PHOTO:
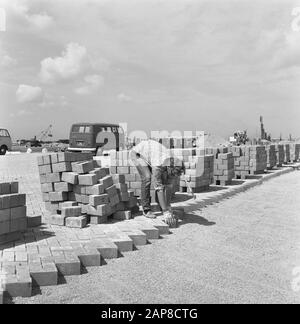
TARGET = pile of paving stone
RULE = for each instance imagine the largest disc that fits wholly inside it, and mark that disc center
(287, 153)
(223, 165)
(199, 172)
(280, 155)
(271, 156)
(13, 219)
(249, 160)
(76, 191)
(295, 151)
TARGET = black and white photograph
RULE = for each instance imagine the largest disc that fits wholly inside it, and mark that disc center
(149, 155)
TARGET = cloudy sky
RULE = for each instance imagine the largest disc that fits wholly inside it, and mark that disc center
(156, 64)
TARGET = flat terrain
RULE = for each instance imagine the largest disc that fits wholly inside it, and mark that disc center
(242, 250)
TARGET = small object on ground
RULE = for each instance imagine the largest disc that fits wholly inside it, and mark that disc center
(191, 192)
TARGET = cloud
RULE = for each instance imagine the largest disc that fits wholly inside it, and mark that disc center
(123, 98)
(5, 59)
(39, 20)
(67, 66)
(93, 83)
(26, 93)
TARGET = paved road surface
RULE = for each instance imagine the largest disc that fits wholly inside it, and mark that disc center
(242, 250)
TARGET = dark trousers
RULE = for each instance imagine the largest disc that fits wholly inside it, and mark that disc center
(145, 173)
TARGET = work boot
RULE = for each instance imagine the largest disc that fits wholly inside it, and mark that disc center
(149, 214)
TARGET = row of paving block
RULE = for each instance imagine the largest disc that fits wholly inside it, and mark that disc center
(38, 259)
(212, 165)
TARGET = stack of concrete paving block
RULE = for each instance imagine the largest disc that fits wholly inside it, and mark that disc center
(293, 152)
(297, 152)
(223, 165)
(280, 155)
(52, 168)
(249, 160)
(13, 218)
(83, 192)
(287, 153)
(199, 173)
(271, 156)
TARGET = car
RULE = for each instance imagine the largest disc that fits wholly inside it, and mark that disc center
(96, 138)
(5, 141)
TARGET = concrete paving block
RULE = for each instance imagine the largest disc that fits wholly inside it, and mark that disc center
(18, 286)
(58, 220)
(162, 227)
(67, 264)
(138, 237)
(123, 242)
(106, 247)
(151, 231)
(44, 274)
(76, 222)
(72, 211)
(89, 257)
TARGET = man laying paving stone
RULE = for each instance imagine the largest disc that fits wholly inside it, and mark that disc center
(153, 161)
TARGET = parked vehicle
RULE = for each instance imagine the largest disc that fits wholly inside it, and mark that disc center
(96, 138)
(5, 141)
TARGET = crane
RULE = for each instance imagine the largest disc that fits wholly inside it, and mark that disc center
(44, 135)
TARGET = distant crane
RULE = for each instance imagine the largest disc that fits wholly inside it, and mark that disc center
(42, 137)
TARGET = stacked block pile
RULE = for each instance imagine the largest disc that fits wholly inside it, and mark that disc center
(223, 165)
(271, 156)
(297, 151)
(279, 154)
(287, 153)
(294, 151)
(249, 160)
(13, 218)
(77, 191)
(199, 173)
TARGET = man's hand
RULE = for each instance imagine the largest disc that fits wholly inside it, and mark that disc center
(170, 219)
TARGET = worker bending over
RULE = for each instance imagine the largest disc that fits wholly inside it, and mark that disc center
(154, 163)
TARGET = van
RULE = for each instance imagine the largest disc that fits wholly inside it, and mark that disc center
(96, 138)
(5, 141)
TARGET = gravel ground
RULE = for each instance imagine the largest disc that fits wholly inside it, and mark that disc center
(242, 250)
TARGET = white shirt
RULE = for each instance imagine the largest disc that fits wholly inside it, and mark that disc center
(154, 153)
